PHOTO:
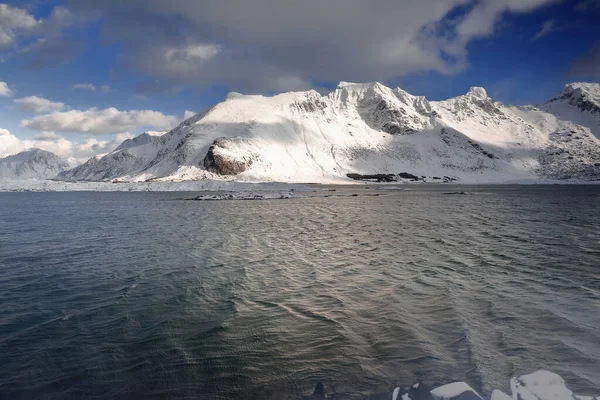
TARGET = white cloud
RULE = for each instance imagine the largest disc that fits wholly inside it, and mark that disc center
(191, 53)
(12, 21)
(85, 86)
(39, 105)
(98, 121)
(188, 114)
(46, 136)
(547, 28)
(91, 87)
(9, 144)
(50, 141)
(4, 89)
(91, 146)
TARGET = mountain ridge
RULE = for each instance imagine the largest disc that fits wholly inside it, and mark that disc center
(367, 128)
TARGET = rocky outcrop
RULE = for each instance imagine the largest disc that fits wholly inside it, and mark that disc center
(220, 160)
(374, 177)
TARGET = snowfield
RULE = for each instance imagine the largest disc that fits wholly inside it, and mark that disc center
(365, 129)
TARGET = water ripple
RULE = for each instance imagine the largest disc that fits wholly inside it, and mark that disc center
(126, 295)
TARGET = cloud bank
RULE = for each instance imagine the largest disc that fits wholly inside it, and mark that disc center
(41, 42)
(38, 105)
(50, 141)
(261, 45)
(100, 121)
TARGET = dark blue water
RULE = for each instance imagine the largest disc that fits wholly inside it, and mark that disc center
(140, 295)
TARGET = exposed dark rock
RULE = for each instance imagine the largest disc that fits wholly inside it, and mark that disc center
(392, 119)
(406, 175)
(311, 104)
(376, 177)
(217, 161)
(478, 147)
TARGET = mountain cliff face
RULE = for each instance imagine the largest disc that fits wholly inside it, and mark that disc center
(32, 164)
(367, 129)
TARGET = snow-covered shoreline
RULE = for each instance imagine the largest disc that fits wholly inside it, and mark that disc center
(33, 185)
(273, 189)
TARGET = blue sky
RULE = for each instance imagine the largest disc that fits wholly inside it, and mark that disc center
(99, 69)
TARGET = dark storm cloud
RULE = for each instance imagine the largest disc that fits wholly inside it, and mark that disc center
(264, 45)
(42, 42)
(49, 52)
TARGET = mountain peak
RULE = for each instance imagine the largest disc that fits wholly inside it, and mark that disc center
(586, 86)
(578, 90)
(582, 95)
(29, 153)
(32, 163)
(354, 85)
(478, 92)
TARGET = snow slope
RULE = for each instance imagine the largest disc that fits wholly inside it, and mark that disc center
(367, 129)
(32, 164)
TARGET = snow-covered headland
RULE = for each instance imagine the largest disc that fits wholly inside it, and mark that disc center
(357, 130)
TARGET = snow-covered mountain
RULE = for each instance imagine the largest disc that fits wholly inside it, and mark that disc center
(367, 129)
(33, 164)
(131, 155)
(578, 103)
(144, 138)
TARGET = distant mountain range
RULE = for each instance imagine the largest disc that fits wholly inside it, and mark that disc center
(366, 129)
(33, 164)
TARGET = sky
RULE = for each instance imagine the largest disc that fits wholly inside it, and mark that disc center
(77, 77)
